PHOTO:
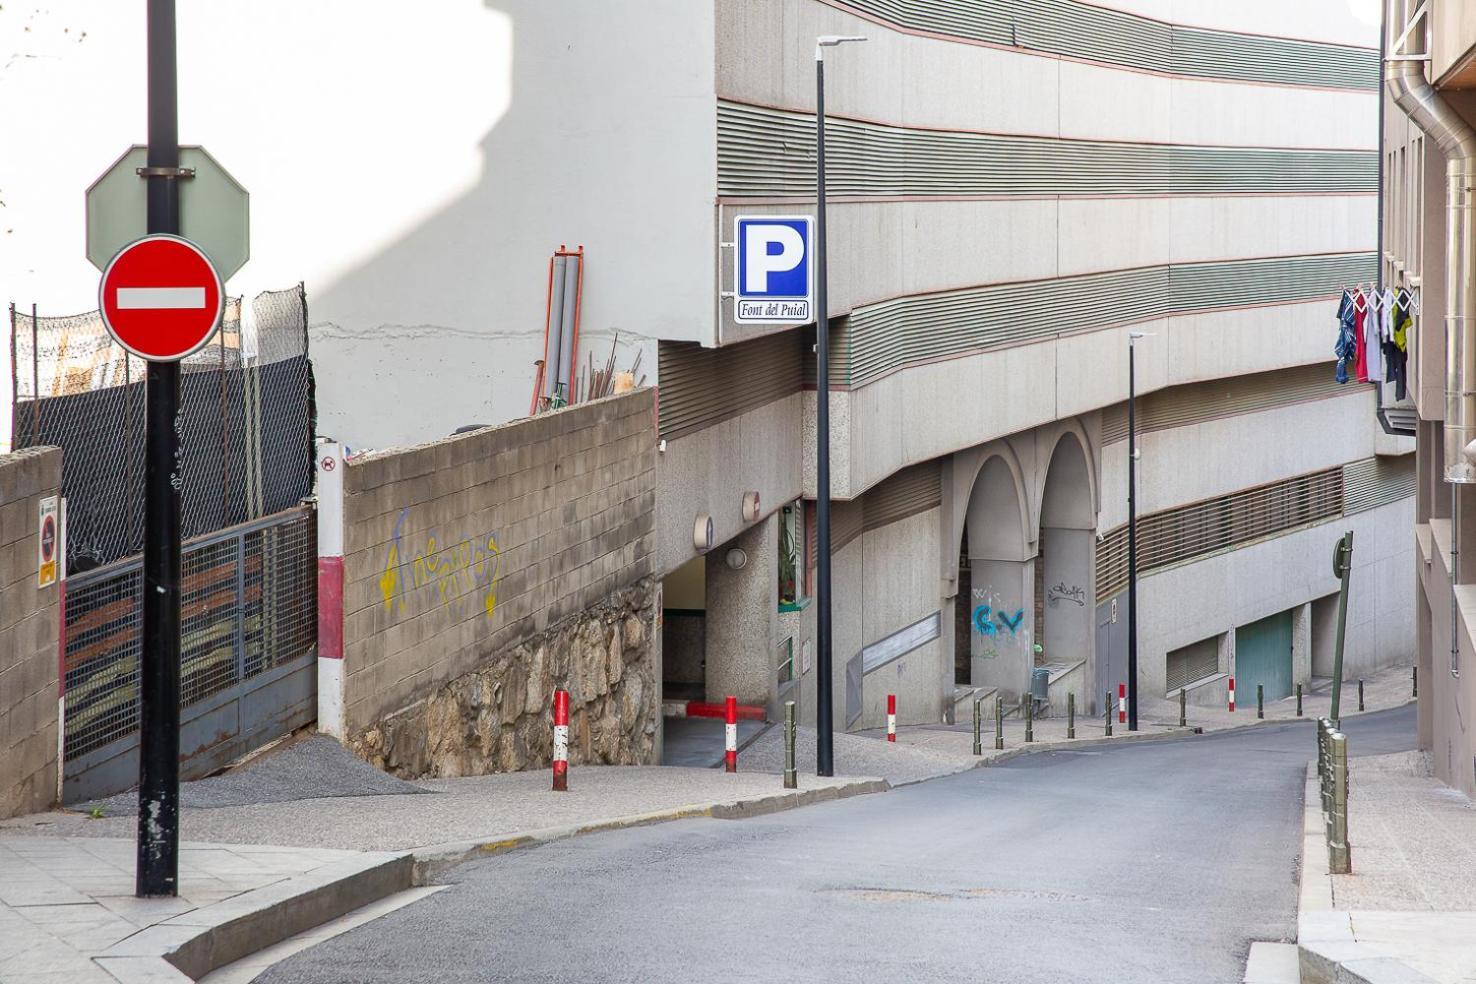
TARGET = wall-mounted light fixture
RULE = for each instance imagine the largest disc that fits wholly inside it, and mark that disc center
(702, 533)
(750, 507)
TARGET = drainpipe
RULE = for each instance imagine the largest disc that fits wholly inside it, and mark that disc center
(1405, 79)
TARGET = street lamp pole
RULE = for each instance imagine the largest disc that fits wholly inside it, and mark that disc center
(1132, 673)
(825, 685)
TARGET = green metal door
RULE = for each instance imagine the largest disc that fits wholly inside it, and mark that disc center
(1263, 655)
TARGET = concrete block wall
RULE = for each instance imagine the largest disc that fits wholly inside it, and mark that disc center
(459, 550)
(28, 637)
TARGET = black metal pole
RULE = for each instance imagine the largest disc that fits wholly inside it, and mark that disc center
(158, 761)
(1132, 680)
(824, 688)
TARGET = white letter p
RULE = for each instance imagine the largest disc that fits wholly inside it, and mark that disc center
(759, 262)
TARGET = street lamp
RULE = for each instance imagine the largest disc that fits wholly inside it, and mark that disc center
(824, 690)
(1132, 673)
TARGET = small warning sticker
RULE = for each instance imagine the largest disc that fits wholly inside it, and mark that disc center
(47, 543)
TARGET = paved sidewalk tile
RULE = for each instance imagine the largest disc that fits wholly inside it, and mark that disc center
(66, 901)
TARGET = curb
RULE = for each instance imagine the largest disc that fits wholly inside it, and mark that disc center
(1328, 952)
(192, 944)
(434, 859)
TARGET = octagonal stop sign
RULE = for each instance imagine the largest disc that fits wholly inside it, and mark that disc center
(161, 298)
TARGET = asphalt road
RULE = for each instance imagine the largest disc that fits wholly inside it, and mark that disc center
(1150, 862)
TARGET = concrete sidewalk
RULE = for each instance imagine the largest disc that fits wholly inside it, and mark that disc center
(1407, 912)
(256, 873)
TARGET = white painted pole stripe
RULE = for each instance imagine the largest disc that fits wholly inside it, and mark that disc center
(160, 298)
(561, 743)
(730, 734)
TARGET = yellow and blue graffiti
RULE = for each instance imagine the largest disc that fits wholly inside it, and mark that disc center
(464, 569)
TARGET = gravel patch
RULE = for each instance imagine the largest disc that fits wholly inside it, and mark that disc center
(315, 768)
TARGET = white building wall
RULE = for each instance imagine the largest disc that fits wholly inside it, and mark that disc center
(414, 164)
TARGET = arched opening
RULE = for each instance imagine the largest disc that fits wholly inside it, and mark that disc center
(1064, 564)
(996, 584)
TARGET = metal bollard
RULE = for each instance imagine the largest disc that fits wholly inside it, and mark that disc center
(1299, 700)
(1071, 715)
(978, 714)
(998, 722)
(1414, 681)
(1260, 701)
(791, 775)
(1183, 710)
(1339, 858)
(730, 734)
(1360, 695)
(561, 742)
(1107, 712)
(1029, 719)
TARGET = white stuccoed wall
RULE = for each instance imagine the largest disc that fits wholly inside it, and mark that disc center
(414, 164)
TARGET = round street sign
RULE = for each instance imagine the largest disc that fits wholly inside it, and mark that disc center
(48, 539)
(161, 298)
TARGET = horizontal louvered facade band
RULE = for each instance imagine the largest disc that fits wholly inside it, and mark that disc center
(1195, 403)
(912, 490)
(704, 386)
(1377, 482)
(1082, 30)
(766, 152)
(879, 338)
(905, 493)
(1174, 536)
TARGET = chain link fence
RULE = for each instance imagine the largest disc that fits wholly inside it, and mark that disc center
(246, 421)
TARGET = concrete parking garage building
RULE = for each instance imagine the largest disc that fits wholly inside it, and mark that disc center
(1015, 188)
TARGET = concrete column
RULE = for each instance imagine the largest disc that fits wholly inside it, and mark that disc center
(1302, 644)
(1067, 625)
(1000, 646)
(742, 615)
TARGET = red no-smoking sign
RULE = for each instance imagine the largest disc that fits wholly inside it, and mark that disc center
(161, 298)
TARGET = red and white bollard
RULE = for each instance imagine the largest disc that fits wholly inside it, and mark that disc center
(730, 758)
(1232, 693)
(561, 741)
(1122, 703)
(891, 717)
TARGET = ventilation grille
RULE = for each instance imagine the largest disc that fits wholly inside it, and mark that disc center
(880, 338)
(1377, 482)
(771, 152)
(703, 386)
(1174, 536)
(1081, 30)
(906, 493)
(1192, 663)
(1194, 403)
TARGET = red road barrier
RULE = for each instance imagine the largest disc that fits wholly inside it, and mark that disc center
(561, 741)
(730, 758)
(702, 708)
(891, 717)
(1122, 703)
(1232, 693)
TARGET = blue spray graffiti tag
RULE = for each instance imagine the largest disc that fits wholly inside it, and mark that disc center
(982, 623)
(1011, 622)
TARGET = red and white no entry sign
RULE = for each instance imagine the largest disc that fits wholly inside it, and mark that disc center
(161, 298)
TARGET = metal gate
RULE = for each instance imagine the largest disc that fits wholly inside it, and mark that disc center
(1263, 655)
(248, 628)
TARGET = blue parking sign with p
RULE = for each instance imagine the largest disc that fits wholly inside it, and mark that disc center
(773, 277)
